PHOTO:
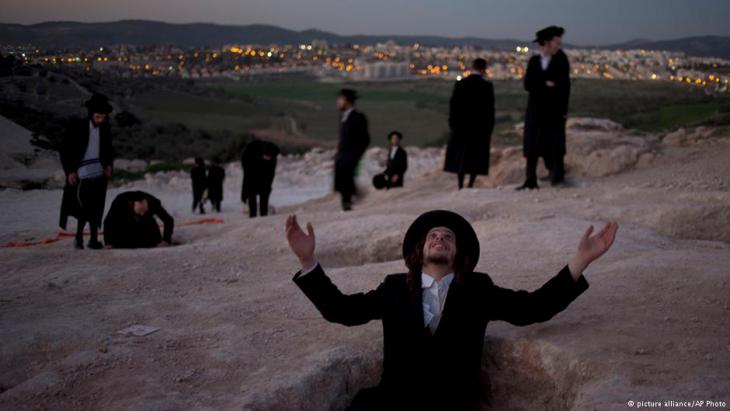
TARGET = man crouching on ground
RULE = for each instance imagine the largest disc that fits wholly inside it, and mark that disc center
(435, 315)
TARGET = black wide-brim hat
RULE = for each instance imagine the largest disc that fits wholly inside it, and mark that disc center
(466, 238)
(98, 103)
(349, 94)
(548, 33)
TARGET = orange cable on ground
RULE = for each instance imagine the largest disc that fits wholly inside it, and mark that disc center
(65, 234)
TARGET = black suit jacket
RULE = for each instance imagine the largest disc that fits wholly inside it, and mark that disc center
(258, 173)
(123, 229)
(412, 356)
(354, 140)
(396, 166)
(547, 107)
(72, 150)
(471, 119)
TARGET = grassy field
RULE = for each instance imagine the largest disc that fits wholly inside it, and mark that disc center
(180, 119)
(420, 108)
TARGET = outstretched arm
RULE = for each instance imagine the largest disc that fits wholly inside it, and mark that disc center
(353, 309)
(522, 308)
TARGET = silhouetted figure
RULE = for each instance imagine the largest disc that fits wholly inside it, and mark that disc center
(216, 175)
(354, 140)
(200, 184)
(131, 222)
(471, 119)
(258, 161)
(87, 157)
(547, 80)
(396, 165)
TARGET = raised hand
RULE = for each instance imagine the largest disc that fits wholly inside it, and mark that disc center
(73, 178)
(592, 247)
(301, 243)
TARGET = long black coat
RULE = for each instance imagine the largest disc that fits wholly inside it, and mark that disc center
(471, 119)
(72, 151)
(216, 175)
(354, 140)
(412, 356)
(258, 173)
(124, 229)
(199, 178)
(547, 107)
(397, 166)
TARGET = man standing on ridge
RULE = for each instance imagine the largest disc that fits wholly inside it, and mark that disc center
(354, 140)
(547, 81)
(471, 120)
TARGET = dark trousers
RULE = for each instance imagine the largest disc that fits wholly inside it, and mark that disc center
(554, 163)
(373, 399)
(91, 196)
(472, 178)
(531, 171)
(198, 200)
(262, 206)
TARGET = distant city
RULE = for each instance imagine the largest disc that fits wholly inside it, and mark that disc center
(385, 61)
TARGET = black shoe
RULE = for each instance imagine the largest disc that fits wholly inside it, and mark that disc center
(556, 183)
(79, 244)
(346, 207)
(528, 186)
(95, 245)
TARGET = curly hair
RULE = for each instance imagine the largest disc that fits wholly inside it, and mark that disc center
(414, 262)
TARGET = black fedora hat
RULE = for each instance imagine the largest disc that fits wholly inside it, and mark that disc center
(397, 133)
(349, 94)
(466, 237)
(98, 103)
(548, 33)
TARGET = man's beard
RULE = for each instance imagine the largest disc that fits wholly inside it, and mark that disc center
(438, 259)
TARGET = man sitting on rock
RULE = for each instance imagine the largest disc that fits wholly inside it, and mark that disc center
(131, 222)
(395, 166)
(435, 315)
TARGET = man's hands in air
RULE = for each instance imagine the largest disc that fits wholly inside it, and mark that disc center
(301, 243)
(590, 248)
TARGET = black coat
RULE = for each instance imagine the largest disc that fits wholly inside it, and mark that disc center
(471, 119)
(412, 356)
(199, 179)
(397, 166)
(354, 140)
(73, 148)
(258, 173)
(547, 107)
(216, 175)
(124, 229)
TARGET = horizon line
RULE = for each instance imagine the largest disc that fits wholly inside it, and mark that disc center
(352, 35)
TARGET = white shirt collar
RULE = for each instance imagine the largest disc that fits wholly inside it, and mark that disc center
(346, 113)
(427, 281)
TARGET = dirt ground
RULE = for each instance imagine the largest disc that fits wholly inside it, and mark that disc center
(236, 333)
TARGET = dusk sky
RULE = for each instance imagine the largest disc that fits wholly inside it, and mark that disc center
(586, 21)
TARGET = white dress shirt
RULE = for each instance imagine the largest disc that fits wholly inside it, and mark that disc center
(393, 150)
(346, 114)
(545, 60)
(90, 166)
(433, 297)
